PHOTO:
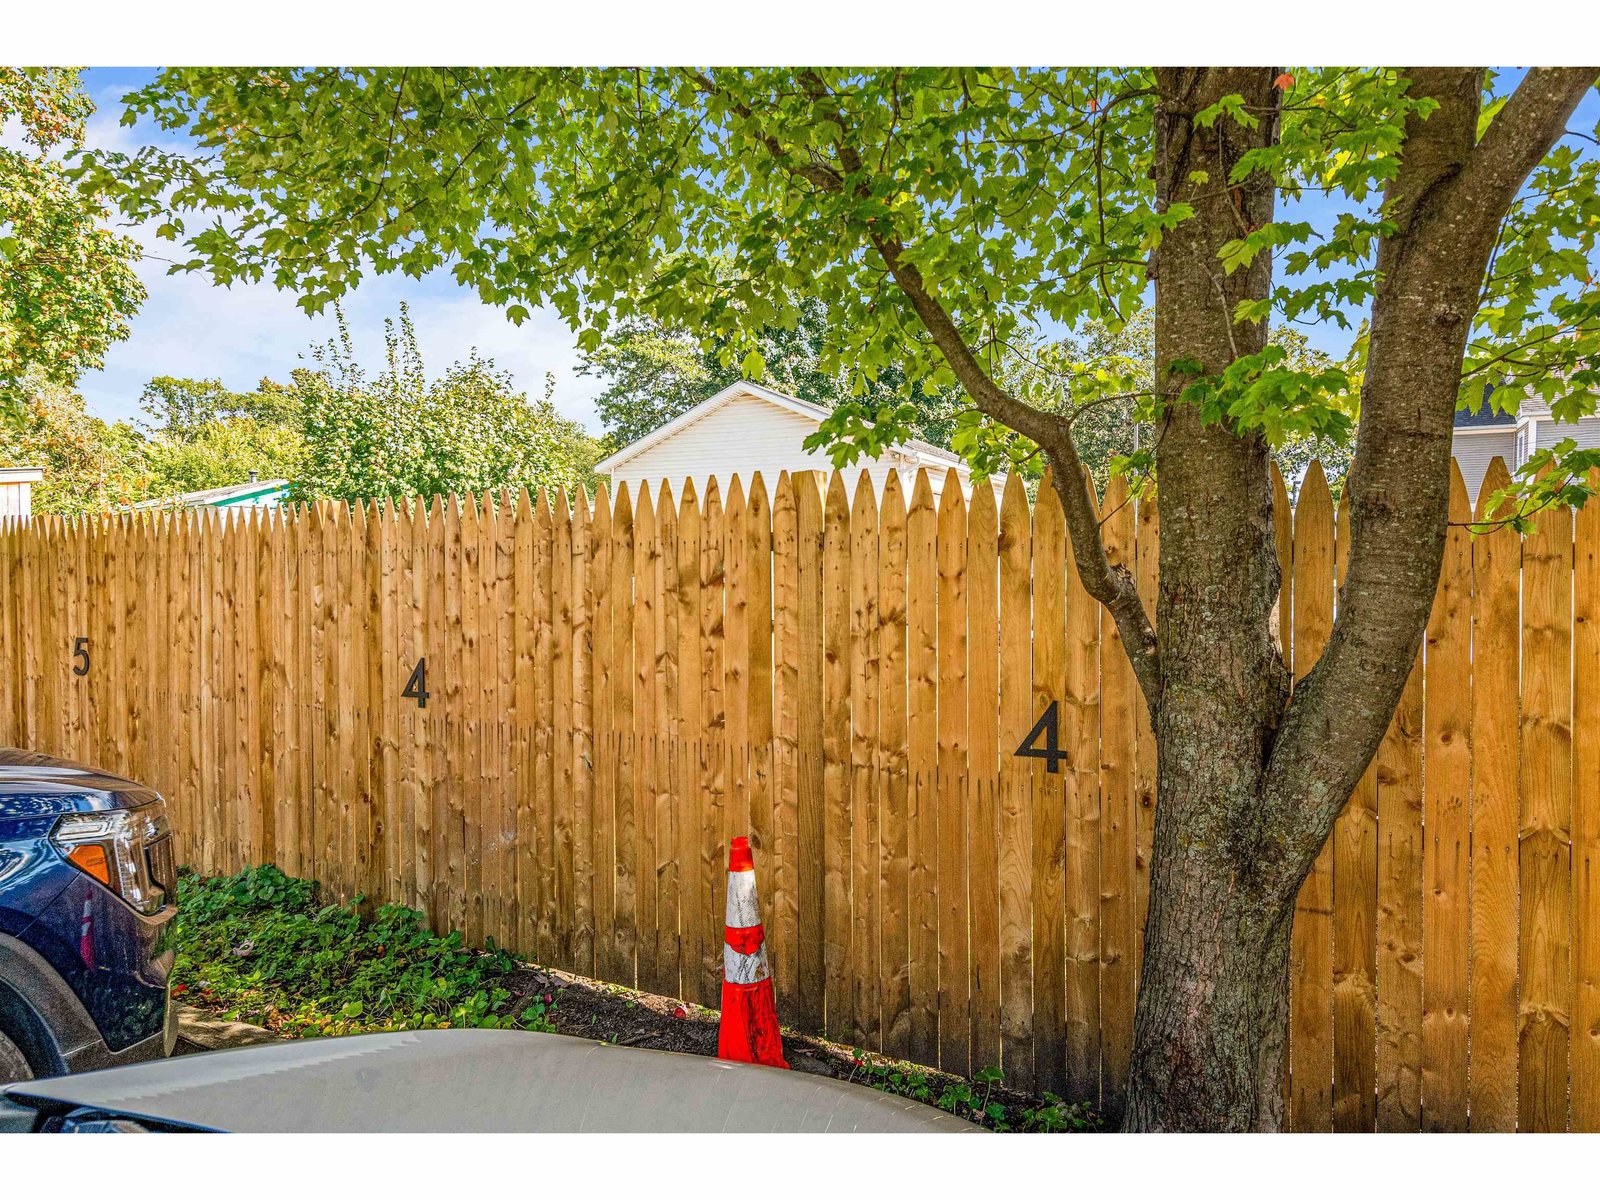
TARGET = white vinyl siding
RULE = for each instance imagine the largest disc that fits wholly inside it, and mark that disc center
(747, 435)
(1475, 447)
(1546, 433)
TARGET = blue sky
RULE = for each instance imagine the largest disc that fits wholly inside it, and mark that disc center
(190, 327)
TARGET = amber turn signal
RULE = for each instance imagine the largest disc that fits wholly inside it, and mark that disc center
(91, 858)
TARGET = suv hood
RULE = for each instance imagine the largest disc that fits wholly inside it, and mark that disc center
(38, 785)
(477, 1081)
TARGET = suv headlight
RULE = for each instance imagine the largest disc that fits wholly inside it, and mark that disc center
(118, 848)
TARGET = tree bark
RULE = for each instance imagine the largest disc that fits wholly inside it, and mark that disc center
(1213, 998)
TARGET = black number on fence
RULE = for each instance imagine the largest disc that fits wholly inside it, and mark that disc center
(80, 652)
(1049, 726)
(417, 685)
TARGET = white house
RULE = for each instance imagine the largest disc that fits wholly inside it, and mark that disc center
(1482, 435)
(747, 428)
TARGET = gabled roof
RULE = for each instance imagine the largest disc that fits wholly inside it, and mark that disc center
(1485, 418)
(742, 390)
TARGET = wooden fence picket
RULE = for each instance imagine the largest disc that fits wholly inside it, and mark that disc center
(1311, 951)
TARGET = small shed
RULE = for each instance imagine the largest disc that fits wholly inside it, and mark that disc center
(747, 428)
(16, 491)
(254, 493)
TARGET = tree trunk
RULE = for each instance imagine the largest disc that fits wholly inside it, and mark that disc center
(1252, 780)
(1213, 1001)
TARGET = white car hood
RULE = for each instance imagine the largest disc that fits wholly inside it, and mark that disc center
(480, 1081)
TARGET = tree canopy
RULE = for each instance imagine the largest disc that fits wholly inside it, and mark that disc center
(1018, 203)
(67, 283)
(654, 373)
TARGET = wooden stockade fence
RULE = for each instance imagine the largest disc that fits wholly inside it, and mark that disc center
(541, 720)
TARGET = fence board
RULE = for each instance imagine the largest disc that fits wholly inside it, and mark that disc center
(1585, 1046)
(1355, 933)
(951, 872)
(922, 740)
(670, 784)
(623, 866)
(1015, 551)
(585, 576)
(528, 560)
(983, 749)
(836, 654)
(602, 665)
(757, 804)
(713, 766)
(1062, 1006)
(1545, 850)
(646, 585)
(1447, 848)
(895, 847)
(557, 945)
(1398, 1070)
(1311, 950)
(785, 853)
(809, 785)
(692, 893)
(865, 900)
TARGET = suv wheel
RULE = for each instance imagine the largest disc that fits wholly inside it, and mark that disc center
(13, 1066)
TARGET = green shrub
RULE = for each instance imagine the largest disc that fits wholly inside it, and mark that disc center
(258, 947)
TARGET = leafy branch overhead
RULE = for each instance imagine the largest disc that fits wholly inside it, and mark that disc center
(724, 201)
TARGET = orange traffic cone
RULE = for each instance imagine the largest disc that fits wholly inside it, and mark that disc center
(748, 1031)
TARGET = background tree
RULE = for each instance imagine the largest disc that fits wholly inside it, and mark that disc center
(945, 217)
(199, 435)
(654, 373)
(220, 454)
(89, 465)
(67, 284)
(399, 434)
(181, 407)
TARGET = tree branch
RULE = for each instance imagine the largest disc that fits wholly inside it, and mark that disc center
(1112, 584)
(1532, 120)
(1446, 202)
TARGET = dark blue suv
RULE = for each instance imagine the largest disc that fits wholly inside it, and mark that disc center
(88, 889)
